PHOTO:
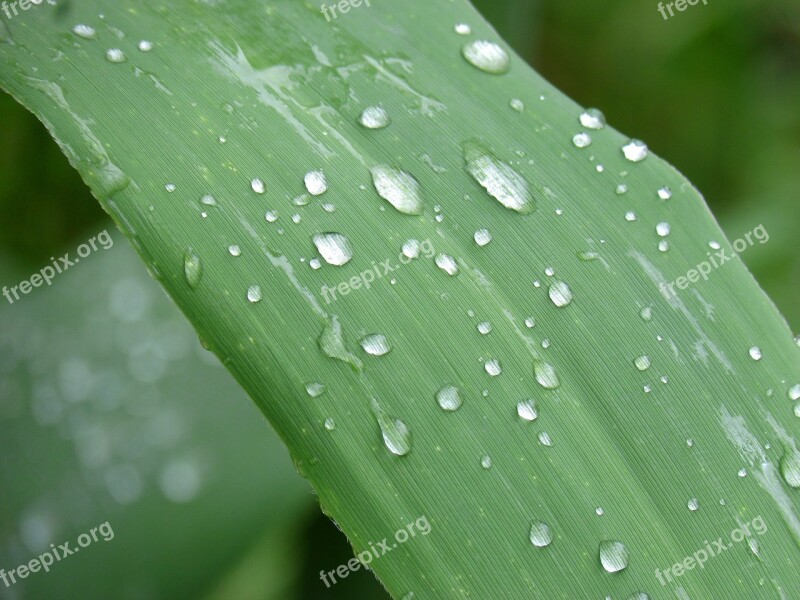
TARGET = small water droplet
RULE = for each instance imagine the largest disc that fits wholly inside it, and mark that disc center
(797, 410)
(271, 216)
(234, 250)
(546, 375)
(642, 362)
(84, 31)
(622, 189)
(545, 439)
(170, 187)
(639, 596)
(486, 461)
(487, 56)
(613, 556)
(755, 353)
(316, 183)
(526, 410)
(530, 323)
(463, 29)
(693, 504)
(665, 193)
(258, 186)
(447, 264)
(208, 200)
(330, 424)
(485, 328)
(592, 118)
(541, 535)
(398, 188)
(334, 248)
(663, 246)
(482, 237)
(493, 367)
(376, 344)
(790, 468)
(411, 249)
(449, 398)
(599, 511)
(630, 216)
(690, 443)
(517, 104)
(499, 179)
(145, 45)
(646, 313)
(254, 294)
(396, 434)
(115, 55)
(663, 229)
(582, 140)
(635, 150)
(374, 117)
(742, 473)
(192, 268)
(315, 390)
(588, 256)
(560, 293)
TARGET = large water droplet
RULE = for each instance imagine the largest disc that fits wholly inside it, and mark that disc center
(593, 118)
(334, 248)
(613, 556)
(501, 181)
(487, 56)
(447, 264)
(374, 117)
(526, 410)
(192, 268)
(560, 293)
(482, 237)
(546, 375)
(541, 535)
(316, 183)
(258, 186)
(642, 362)
(396, 434)
(376, 344)
(449, 398)
(790, 468)
(398, 188)
(635, 150)
(493, 367)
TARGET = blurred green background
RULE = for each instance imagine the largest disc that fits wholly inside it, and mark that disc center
(139, 426)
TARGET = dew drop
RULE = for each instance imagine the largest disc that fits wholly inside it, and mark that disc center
(630, 216)
(234, 250)
(115, 55)
(582, 140)
(449, 398)
(622, 189)
(411, 249)
(742, 473)
(398, 188)
(330, 424)
(560, 294)
(545, 439)
(463, 29)
(170, 187)
(613, 556)
(592, 118)
(635, 150)
(499, 179)
(546, 375)
(254, 294)
(797, 410)
(493, 367)
(447, 264)
(334, 248)
(794, 392)
(517, 104)
(790, 468)
(646, 313)
(485, 327)
(192, 268)
(693, 504)
(482, 237)
(271, 216)
(487, 56)
(208, 200)
(315, 390)
(599, 511)
(526, 410)
(374, 117)
(84, 31)
(642, 362)
(258, 186)
(530, 323)
(541, 535)
(316, 183)
(663, 229)
(396, 434)
(665, 193)
(486, 461)
(755, 353)
(639, 596)
(376, 345)
(663, 246)
(145, 45)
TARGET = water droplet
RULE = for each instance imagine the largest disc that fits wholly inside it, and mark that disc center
(593, 118)
(501, 181)
(271, 216)
(541, 536)
(235, 250)
(790, 468)
(331, 342)
(376, 344)
(254, 294)
(330, 424)
(622, 189)
(115, 55)
(546, 375)
(517, 104)
(258, 186)
(630, 216)
(794, 392)
(639, 596)
(487, 56)
(560, 293)
(84, 31)
(663, 229)
(613, 556)
(663, 246)
(486, 461)
(588, 256)
(493, 367)
(693, 504)
(797, 410)
(485, 328)
(412, 249)
(526, 410)
(316, 183)
(447, 264)
(315, 390)
(635, 150)
(170, 187)
(742, 473)
(642, 362)
(482, 237)
(530, 323)
(398, 188)
(582, 140)
(755, 353)
(396, 434)
(646, 313)
(449, 398)
(690, 443)
(599, 511)
(374, 117)
(192, 268)
(665, 193)
(208, 200)
(334, 248)
(145, 45)
(463, 29)
(545, 439)
(549, 271)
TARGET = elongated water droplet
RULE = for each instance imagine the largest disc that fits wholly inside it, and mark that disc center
(545, 439)
(517, 104)
(331, 342)
(593, 118)
(463, 29)
(755, 353)
(396, 434)
(482, 237)
(234, 250)
(376, 344)
(794, 392)
(499, 179)
(315, 390)
(115, 55)
(493, 367)
(546, 375)
(635, 150)
(526, 410)
(449, 398)
(486, 461)
(642, 362)
(487, 56)
(560, 293)
(330, 424)
(541, 536)
(374, 117)
(797, 410)
(334, 248)
(258, 186)
(192, 268)
(316, 183)
(398, 188)
(613, 556)
(254, 294)
(790, 468)
(447, 264)
(84, 31)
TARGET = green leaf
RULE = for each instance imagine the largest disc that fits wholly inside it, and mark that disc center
(562, 286)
